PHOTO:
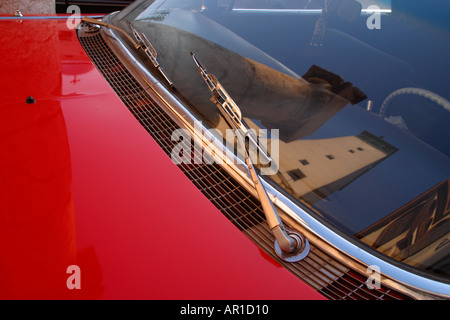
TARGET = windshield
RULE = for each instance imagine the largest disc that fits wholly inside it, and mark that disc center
(355, 92)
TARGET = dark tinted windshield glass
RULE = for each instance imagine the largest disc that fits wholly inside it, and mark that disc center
(355, 92)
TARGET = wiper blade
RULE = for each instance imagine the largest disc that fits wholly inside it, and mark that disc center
(291, 247)
(141, 42)
(229, 108)
(150, 51)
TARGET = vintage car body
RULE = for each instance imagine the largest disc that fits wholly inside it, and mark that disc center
(83, 184)
(95, 206)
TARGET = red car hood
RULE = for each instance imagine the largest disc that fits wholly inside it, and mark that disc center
(83, 184)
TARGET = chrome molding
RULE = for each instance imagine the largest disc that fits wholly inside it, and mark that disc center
(17, 13)
(341, 248)
(56, 17)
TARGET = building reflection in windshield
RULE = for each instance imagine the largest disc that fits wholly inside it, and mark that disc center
(418, 232)
(314, 169)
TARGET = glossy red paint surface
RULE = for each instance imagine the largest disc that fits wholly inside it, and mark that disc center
(83, 184)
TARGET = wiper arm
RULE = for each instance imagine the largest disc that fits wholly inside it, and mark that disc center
(291, 247)
(92, 21)
(150, 52)
(141, 42)
(229, 109)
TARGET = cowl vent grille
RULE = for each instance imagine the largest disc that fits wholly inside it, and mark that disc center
(318, 269)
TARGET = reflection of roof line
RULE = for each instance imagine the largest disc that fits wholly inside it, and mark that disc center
(313, 11)
(377, 142)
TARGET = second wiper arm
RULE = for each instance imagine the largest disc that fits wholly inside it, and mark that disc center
(141, 42)
(150, 52)
(294, 246)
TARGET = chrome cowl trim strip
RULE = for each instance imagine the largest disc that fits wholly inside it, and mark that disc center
(341, 248)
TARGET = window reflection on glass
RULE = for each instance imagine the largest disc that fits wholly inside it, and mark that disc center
(303, 4)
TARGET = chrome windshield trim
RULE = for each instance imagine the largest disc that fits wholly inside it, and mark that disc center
(345, 250)
(333, 239)
(63, 17)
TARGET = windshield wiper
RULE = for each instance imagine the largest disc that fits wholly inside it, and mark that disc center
(291, 247)
(141, 42)
(149, 51)
(230, 110)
